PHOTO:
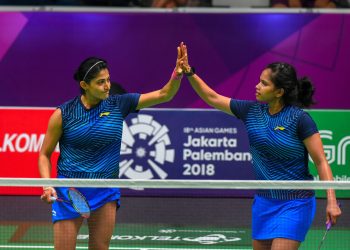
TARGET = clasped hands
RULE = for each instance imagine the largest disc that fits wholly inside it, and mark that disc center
(182, 65)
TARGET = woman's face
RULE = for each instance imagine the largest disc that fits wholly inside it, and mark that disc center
(99, 87)
(266, 90)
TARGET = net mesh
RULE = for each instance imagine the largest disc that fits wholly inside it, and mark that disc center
(171, 214)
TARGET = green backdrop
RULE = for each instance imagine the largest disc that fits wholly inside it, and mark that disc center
(334, 128)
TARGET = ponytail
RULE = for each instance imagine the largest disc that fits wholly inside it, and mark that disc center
(305, 92)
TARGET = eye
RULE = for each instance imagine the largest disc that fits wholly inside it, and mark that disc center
(263, 83)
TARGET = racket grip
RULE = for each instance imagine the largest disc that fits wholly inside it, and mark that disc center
(53, 198)
(329, 224)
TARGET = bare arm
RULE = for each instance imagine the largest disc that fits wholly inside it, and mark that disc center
(208, 95)
(314, 146)
(53, 134)
(166, 93)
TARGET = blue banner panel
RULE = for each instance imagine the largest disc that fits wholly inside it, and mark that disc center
(185, 144)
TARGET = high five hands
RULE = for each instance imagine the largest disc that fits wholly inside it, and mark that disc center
(179, 61)
(182, 65)
(186, 68)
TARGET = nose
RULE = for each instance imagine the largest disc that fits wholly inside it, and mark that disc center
(108, 86)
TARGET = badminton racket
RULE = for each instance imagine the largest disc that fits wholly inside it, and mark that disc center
(78, 202)
(328, 227)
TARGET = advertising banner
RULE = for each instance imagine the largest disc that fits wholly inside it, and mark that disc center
(157, 144)
(168, 144)
(22, 132)
(334, 129)
(185, 144)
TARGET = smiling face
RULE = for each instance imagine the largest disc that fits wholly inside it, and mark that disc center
(266, 90)
(98, 88)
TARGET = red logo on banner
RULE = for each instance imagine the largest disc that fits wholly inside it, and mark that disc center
(22, 132)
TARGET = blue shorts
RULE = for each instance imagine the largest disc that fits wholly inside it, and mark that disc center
(289, 219)
(96, 197)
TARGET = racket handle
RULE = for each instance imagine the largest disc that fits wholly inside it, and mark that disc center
(329, 224)
(53, 198)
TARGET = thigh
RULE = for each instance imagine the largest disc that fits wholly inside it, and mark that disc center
(262, 244)
(284, 244)
(65, 233)
(101, 226)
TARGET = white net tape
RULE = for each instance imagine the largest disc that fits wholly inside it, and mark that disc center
(181, 184)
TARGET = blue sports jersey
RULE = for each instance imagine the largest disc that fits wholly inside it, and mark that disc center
(91, 138)
(276, 144)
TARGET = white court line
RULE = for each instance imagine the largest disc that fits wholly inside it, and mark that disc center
(117, 248)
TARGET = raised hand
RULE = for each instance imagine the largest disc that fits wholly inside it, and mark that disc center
(179, 61)
(185, 65)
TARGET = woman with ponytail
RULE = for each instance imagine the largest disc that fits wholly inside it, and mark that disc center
(281, 135)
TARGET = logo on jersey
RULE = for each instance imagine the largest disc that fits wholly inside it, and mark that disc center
(145, 149)
(279, 128)
(104, 114)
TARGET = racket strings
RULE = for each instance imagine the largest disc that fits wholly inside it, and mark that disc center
(79, 202)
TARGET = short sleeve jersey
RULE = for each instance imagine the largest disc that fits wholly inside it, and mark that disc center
(276, 144)
(91, 138)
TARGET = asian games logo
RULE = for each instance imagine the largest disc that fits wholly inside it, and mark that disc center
(145, 149)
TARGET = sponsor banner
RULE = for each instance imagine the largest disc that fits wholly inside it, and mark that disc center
(334, 129)
(157, 144)
(167, 144)
(185, 144)
(22, 132)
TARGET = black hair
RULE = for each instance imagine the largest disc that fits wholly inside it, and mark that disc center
(297, 92)
(89, 69)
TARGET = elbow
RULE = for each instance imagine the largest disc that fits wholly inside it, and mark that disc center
(168, 98)
(165, 97)
(212, 100)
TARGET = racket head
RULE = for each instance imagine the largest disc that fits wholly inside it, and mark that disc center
(79, 202)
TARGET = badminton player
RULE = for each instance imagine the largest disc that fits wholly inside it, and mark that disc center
(88, 129)
(281, 135)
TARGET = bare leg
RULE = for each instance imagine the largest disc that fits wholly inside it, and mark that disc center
(262, 244)
(101, 226)
(65, 233)
(285, 244)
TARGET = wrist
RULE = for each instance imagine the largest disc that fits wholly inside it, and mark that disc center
(176, 76)
(190, 71)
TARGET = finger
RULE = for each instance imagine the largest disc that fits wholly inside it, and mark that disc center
(183, 48)
(328, 218)
(183, 57)
(45, 198)
(331, 219)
